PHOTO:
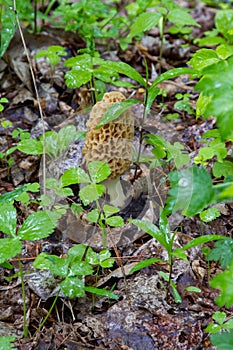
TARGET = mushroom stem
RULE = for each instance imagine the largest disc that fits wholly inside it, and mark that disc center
(115, 191)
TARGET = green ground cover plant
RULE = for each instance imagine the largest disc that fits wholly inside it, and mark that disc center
(192, 189)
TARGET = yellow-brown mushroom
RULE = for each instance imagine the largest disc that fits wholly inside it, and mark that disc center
(112, 143)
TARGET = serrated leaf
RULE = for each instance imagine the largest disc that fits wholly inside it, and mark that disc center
(73, 287)
(209, 214)
(223, 169)
(145, 263)
(93, 215)
(77, 252)
(38, 225)
(74, 176)
(80, 268)
(219, 317)
(223, 341)
(115, 221)
(224, 282)
(42, 262)
(115, 110)
(91, 193)
(99, 171)
(5, 343)
(30, 146)
(144, 22)
(8, 219)
(10, 247)
(222, 252)
(191, 190)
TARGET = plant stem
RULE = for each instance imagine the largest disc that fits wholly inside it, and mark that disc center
(25, 326)
(49, 312)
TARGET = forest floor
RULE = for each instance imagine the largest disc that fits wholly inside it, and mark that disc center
(145, 316)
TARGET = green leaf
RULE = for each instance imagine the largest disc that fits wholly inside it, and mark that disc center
(74, 176)
(77, 77)
(30, 146)
(213, 328)
(58, 266)
(9, 197)
(102, 291)
(219, 317)
(224, 51)
(91, 193)
(8, 219)
(8, 26)
(209, 214)
(223, 22)
(127, 70)
(203, 58)
(38, 225)
(225, 168)
(223, 341)
(80, 268)
(193, 289)
(98, 171)
(201, 240)
(181, 18)
(10, 247)
(93, 215)
(224, 282)
(191, 190)
(222, 251)
(5, 343)
(216, 84)
(170, 74)
(152, 230)
(110, 210)
(115, 221)
(77, 252)
(42, 262)
(73, 287)
(115, 110)
(145, 263)
(144, 22)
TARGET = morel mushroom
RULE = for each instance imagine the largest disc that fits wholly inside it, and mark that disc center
(111, 143)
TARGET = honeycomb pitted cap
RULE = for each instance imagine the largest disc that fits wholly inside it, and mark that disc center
(112, 142)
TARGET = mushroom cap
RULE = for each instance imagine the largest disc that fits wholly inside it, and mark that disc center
(112, 142)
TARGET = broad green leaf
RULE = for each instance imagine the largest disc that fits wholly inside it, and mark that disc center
(66, 136)
(213, 328)
(223, 341)
(181, 18)
(58, 266)
(144, 22)
(10, 247)
(216, 84)
(152, 230)
(191, 190)
(203, 58)
(73, 287)
(8, 25)
(110, 210)
(224, 282)
(145, 263)
(228, 192)
(92, 257)
(77, 252)
(222, 252)
(79, 61)
(80, 268)
(52, 183)
(209, 214)
(99, 171)
(126, 69)
(91, 193)
(222, 169)
(152, 93)
(115, 221)
(219, 317)
(77, 77)
(42, 262)
(224, 51)
(38, 225)
(93, 215)
(115, 110)
(74, 176)
(5, 343)
(8, 219)
(30, 146)
(102, 291)
(223, 22)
